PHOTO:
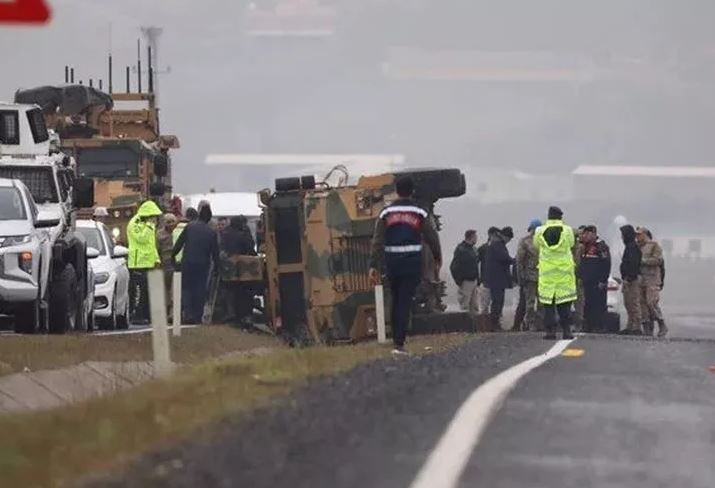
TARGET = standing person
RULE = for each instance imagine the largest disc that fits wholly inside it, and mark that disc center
(397, 242)
(652, 272)
(484, 300)
(143, 256)
(465, 272)
(594, 271)
(527, 273)
(238, 241)
(580, 298)
(165, 243)
(630, 275)
(498, 274)
(200, 250)
(557, 272)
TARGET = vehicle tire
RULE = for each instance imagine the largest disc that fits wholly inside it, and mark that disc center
(64, 309)
(123, 321)
(110, 323)
(27, 317)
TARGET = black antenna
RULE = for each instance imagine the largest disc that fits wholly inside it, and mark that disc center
(151, 71)
(71, 75)
(100, 84)
(128, 84)
(91, 83)
(109, 79)
(67, 74)
(139, 66)
(80, 82)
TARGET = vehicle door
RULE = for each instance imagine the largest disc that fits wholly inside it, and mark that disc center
(119, 264)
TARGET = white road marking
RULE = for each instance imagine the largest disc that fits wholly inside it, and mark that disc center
(143, 330)
(448, 459)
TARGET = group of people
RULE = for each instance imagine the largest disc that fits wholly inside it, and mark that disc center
(192, 245)
(559, 270)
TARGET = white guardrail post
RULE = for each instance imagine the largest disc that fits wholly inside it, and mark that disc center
(176, 303)
(380, 314)
(160, 329)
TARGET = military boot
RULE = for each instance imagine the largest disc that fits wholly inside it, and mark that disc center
(567, 335)
(648, 328)
(662, 329)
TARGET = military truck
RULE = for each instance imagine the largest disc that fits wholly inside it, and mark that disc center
(54, 285)
(317, 249)
(121, 149)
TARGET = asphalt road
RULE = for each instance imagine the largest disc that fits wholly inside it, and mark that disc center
(627, 413)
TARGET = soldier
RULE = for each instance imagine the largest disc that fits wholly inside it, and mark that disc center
(651, 283)
(200, 248)
(580, 300)
(527, 273)
(465, 272)
(557, 277)
(238, 241)
(484, 300)
(630, 276)
(165, 243)
(497, 275)
(593, 271)
(143, 256)
(397, 241)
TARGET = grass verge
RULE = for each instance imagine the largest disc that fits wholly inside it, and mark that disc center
(46, 449)
(38, 352)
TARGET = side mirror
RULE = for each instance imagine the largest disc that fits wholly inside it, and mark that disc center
(46, 219)
(120, 252)
(92, 253)
(84, 192)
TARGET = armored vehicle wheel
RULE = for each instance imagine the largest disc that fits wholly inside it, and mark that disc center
(123, 317)
(63, 306)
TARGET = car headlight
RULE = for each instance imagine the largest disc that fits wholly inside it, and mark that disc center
(116, 233)
(15, 240)
(100, 278)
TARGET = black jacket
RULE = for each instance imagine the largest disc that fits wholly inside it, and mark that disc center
(498, 265)
(465, 264)
(238, 241)
(595, 263)
(200, 245)
(482, 259)
(631, 262)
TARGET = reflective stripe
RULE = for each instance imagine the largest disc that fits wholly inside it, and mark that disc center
(404, 208)
(397, 249)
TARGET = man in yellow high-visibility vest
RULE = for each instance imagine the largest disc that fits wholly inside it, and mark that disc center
(557, 272)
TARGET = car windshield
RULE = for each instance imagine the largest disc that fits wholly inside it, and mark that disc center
(11, 205)
(93, 238)
(39, 180)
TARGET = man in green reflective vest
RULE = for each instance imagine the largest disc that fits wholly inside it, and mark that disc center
(557, 272)
(143, 256)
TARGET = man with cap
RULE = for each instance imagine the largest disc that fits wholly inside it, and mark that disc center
(165, 243)
(497, 276)
(631, 279)
(400, 230)
(557, 277)
(651, 282)
(527, 274)
(593, 271)
(465, 272)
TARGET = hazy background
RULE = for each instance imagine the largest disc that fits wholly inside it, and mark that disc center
(519, 94)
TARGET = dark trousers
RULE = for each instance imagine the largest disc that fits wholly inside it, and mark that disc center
(497, 304)
(139, 296)
(520, 310)
(403, 284)
(564, 312)
(595, 306)
(194, 288)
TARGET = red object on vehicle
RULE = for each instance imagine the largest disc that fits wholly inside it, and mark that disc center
(712, 368)
(24, 12)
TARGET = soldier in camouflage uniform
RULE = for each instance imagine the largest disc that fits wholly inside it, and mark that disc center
(580, 304)
(165, 244)
(651, 282)
(527, 272)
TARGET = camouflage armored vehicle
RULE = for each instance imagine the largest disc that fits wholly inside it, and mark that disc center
(122, 150)
(317, 249)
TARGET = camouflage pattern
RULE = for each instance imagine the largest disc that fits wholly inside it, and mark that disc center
(241, 269)
(317, 272)
(97, 124)
(632, 303)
